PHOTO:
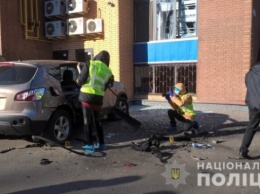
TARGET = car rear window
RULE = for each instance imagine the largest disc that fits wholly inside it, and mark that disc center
(55, 72)
(10, 75)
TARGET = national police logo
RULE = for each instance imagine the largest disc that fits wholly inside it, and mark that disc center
(175, 174)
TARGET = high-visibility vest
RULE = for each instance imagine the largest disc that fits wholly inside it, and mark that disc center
(188, 108)
(99, 74)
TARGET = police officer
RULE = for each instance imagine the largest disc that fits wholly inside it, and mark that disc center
(94, 79)
(181, 109)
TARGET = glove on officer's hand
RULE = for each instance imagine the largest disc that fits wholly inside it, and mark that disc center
(167, 97)
(170, 93)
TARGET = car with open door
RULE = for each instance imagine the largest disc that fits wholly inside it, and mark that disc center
(40, 97)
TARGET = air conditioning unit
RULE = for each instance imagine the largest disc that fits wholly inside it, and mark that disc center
(76, 26)
(94, 26)
(55, 29)
(76, 6)
(54, 8)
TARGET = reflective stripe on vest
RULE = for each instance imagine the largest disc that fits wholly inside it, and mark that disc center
(188, 108)
(99, 74)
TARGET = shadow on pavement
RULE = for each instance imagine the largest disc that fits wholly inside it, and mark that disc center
(255, 157)
(81, 185)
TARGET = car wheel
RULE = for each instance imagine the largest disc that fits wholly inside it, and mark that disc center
(121, 104)
(60, 126)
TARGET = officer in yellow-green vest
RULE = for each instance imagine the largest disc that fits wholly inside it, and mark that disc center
(94, 79)
(181, 109)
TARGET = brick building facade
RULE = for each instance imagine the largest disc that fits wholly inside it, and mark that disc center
(227, 41)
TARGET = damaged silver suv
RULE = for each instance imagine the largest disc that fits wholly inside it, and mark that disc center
(37, 97)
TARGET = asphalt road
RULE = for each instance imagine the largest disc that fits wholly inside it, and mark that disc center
(38, 168)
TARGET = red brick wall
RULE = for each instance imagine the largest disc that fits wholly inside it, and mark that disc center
(126, 39)
(13, 43)
(224, 32)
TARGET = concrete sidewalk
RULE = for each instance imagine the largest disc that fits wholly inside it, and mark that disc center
(210, 116)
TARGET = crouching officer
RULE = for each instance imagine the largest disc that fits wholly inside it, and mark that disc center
(181, 109)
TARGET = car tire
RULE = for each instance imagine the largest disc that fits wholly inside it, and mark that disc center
(59, 127)
(122, 105)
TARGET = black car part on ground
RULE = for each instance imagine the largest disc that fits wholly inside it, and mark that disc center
(6, 150)
(153, 144)
(127, 118)
(121, 104)
(130, 120)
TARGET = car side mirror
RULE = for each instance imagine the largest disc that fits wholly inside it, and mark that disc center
(54, 92)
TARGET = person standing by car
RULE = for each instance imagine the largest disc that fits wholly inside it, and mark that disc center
(94, 79)
(252, 81)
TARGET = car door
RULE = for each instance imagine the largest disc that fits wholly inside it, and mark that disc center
(109, 99)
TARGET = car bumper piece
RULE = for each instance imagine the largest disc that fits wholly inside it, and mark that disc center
(20, 125)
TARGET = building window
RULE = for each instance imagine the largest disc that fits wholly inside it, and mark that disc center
(141, 20)
(165, 19)
(160, 78)
(84, 55)
(60, 55)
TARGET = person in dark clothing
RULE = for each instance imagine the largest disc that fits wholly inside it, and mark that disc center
(252, 81)
(94, 79)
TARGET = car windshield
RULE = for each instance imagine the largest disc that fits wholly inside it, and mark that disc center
(10, 75)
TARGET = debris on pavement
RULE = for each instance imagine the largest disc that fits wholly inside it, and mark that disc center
(6, 150)
(67, 144)
(235, 158)
(129, 164)
(198, 158)
(202, 146)
(194, 157)
(203, 158)
(217, 141)
(110, 135)
(35, 145)
(45, 161)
